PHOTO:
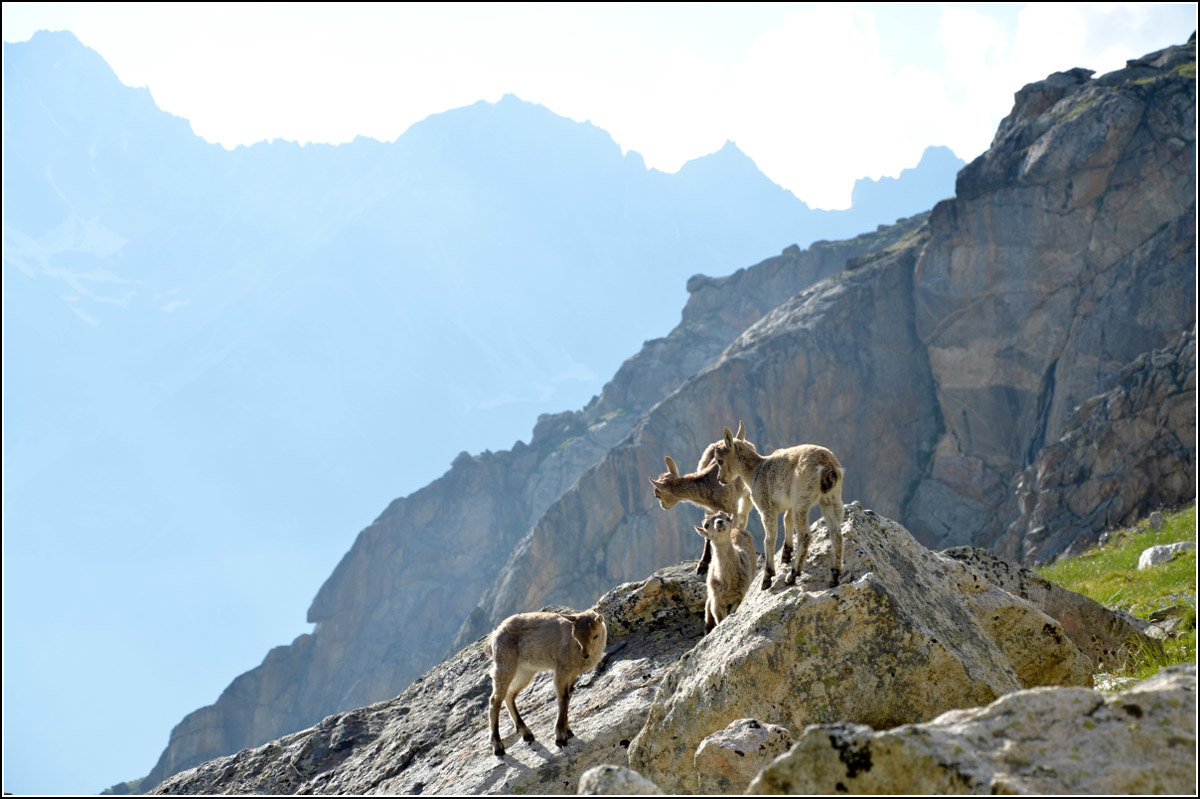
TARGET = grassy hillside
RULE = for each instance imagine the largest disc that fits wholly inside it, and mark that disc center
(1109, 574)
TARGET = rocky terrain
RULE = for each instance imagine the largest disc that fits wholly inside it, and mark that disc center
(908, 636)
(1013, 371)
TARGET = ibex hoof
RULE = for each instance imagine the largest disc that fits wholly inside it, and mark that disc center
(498, 749)
(791, 577)
(836, 576)
(787, 554)
(766, 583)
(528, 736)
(560, 742)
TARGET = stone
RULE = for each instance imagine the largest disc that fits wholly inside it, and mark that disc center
(610, 780)
(1040, 741)
(1162, 553)
(1110, 638)
(1156, 520)
(727, 760)
(1169, 622)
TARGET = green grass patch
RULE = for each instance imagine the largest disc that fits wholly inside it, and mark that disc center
(1109, 575)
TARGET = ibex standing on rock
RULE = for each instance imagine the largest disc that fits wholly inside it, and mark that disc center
(732, 568)
(527, 643)
(788, 481)
(702, 488)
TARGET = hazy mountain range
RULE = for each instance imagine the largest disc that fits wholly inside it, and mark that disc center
(219, 365)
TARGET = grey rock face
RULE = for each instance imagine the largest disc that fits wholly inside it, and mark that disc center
(1068, 252)
(1041, 741)
(615, 528)
(1125, 451)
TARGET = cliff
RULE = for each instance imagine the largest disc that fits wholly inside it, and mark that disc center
(941, 359)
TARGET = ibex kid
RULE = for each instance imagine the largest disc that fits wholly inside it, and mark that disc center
(788, 481)
(702, 488)
(527, 643)
(732, 567)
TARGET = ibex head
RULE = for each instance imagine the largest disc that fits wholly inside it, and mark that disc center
(589, 631)
(662, 485)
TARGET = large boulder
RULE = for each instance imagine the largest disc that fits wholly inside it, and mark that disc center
(1040, 741)
(908, 635)
(729, 759)
(1110, 638)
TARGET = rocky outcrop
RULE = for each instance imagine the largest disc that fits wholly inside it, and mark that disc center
(1125, 452)
(1109, 638)
(910, 634)
(433, 737)
(1068, 252)
(1042, 741)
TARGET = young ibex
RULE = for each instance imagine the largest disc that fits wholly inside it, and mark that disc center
(527, 643)
(788, 481)
(732, 568)
(702, 488)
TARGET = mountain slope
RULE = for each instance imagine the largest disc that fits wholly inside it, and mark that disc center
(854, 345)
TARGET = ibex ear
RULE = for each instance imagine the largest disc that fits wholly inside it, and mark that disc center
(700, 530)
(741, 434)
(671, 467)
(580, 628)
(728, 438)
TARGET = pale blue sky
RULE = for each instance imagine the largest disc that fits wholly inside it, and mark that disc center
(817, 95)
(804, 89)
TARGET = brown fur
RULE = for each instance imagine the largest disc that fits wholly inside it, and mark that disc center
(528, 643)
(732, 568)
(789, 482)
(702, 488)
